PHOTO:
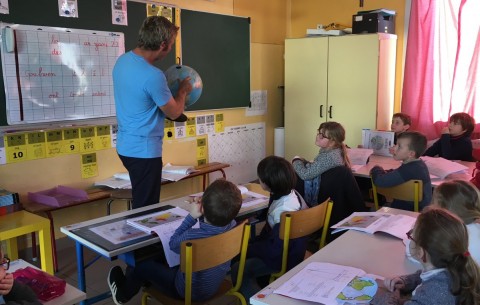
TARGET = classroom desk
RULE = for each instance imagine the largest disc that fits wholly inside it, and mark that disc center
(389, 163)
(126, 252)
(96, 193)
(378, 254)
(71, 296)
(20, 223)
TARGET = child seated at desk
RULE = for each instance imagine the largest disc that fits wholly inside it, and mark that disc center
(330, 137)
(11, 291)
(449, 275)
(215, 211)
(463, 199)
(264, 254)
(455, 142)
(400, 123)
(409, 148)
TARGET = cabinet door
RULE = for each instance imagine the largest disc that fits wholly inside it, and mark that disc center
(352, 83)
(305, 94)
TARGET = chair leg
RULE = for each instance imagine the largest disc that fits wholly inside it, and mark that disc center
(108, 206)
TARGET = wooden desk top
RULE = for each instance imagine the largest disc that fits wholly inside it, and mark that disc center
(98, 193)
(389, 163)
(378, 254)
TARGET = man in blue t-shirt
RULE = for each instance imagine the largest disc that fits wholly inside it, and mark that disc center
(143, 101)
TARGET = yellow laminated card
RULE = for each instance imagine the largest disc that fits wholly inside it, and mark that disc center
(36, 147)
(219, 125)
(202, 148)
(87, 139)
(15, 147)
(71, 141)
(89, 165)
(191, 127)
(169, 130)
(54, 143)
(103, 139)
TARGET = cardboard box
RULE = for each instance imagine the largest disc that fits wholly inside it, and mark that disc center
(373, 23)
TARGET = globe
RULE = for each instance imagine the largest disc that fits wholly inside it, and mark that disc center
(177, 73)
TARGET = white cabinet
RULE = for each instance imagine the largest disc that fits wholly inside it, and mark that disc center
(348, 79)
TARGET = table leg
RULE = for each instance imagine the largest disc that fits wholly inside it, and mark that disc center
(12, 248)
(54, 243)
(45, 242)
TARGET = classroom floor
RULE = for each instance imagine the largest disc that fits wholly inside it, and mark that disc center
(96, 274)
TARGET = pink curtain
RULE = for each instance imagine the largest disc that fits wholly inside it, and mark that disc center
(417, 96)
(442, 66)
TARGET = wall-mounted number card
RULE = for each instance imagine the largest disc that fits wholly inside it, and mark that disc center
(87, 139)
(16, 148)
(54, 143)
(113, 135)
(219, 125)
(89, 165)
(103, 139)
(71, 141)
(202, 148)
(180, 130)
(36, 147)
(210, 123)
(169, 130)
(201, 162)
(201, 125)
(3, 156)
(191, 127)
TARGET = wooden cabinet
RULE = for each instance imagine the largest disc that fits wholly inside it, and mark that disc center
(348, 79)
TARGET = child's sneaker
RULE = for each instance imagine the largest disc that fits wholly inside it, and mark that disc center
(115, 280)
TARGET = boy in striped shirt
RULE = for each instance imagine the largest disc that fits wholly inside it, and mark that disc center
(215, 212)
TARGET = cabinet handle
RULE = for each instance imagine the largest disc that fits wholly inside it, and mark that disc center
(321, 111)
(330, 111)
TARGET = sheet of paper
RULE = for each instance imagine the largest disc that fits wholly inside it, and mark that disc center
(319, 282)
(115, 183)
(166, 231)
(359, 156)
(441, 167)
(252, 199)
(118, 232)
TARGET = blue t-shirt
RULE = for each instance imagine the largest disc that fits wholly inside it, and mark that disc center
(139, 89)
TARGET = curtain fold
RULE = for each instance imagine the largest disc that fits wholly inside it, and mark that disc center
(442, 65)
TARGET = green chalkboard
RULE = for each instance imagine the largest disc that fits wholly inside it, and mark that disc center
(218, 48)
(93, 15)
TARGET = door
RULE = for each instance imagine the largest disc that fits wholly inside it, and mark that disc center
(305, 94)
(353, 83)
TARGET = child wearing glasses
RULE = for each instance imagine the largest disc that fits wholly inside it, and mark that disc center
(450, 276)
(333, 153)
(11, 291)
(455, 142)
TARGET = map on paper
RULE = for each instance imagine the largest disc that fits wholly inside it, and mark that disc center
(359, 290)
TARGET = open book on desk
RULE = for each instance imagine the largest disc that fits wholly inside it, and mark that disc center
(372, 222)
(164, 224)
(440, 168)
(324, 283)
(177, 172)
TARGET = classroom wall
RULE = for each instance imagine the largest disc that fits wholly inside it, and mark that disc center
(267, 35)
(306, 14)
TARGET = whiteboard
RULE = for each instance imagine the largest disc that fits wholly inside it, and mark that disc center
(58, 74)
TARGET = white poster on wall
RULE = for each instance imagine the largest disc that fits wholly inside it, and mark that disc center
(243, 147)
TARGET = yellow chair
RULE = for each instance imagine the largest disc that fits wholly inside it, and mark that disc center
(302, 223)
(205, 253)
(411, 190)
